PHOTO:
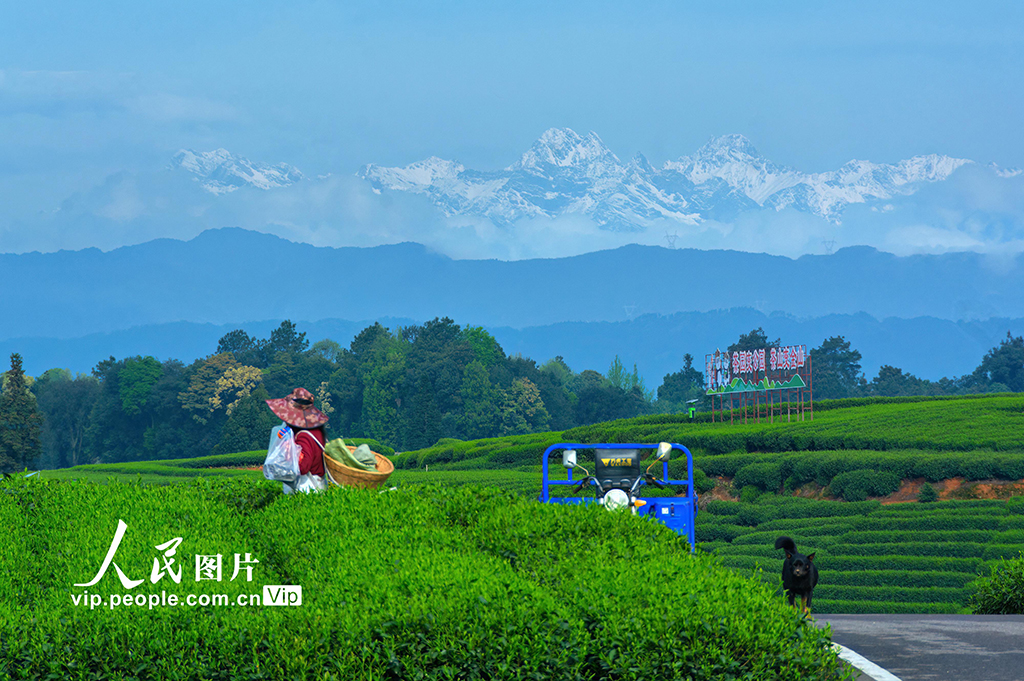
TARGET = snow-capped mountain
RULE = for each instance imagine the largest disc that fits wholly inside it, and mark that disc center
(565, 173)
(220, 172)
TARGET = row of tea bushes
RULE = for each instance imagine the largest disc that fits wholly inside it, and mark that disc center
(425, 582)
(874, 558)
(983, 422)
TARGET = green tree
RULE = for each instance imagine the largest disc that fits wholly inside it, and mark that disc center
(522, 410)
(892, 382)
(138, 376)
(423, 427)
(481, 408)
(625, 380)
(383, 374)
(678, 388)
(66, 403)
(248, 427)
(837, 370)
(328, 349)
(553, 381)
(754, 340)
(286, 338)
(1004, 364)
(20, 421)
(598, 400)
(485, 347)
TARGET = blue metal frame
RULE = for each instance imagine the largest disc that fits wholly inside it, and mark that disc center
(679, 513)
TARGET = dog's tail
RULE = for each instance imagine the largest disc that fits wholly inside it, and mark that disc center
(785, 543)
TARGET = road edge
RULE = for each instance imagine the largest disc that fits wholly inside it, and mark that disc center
(864, 665)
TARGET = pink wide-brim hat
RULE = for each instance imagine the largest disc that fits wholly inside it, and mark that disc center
(297, 410)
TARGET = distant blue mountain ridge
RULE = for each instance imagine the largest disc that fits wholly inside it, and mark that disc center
(934, 315)
(926, 346)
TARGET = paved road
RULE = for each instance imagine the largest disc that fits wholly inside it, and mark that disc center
(936, 647)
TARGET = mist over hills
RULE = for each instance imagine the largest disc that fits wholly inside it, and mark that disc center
(934, 315)
(232, 275)
(567, 194)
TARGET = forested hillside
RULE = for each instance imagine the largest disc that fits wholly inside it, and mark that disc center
(406, 387)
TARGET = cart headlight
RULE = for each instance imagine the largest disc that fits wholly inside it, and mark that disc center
(615, 499)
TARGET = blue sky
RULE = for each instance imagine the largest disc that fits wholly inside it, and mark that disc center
(88, 90)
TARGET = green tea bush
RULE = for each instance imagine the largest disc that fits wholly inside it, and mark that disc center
(1000, 551)
(900, 578)
(906, 564)
(429, 582)
(891, 594)
(714, 532)
(858, 485)
(927, 494)
(950, 550)
(749, 494)
(1002, 591)
(764, 476)
(940, 519)
(825, 605)
(935, 536)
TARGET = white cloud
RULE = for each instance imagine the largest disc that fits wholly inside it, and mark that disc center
(60, 93)
(164, 107)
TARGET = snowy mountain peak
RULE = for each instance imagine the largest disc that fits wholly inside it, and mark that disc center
(733, 146)
(564, 172)
(564, 148)
(219, 171)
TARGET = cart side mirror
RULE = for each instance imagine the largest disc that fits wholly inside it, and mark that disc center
(664, 451)
(569, 458)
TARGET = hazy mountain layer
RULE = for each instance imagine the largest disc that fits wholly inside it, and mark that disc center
(232, 275)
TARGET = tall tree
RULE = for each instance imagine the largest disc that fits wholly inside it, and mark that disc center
(679, 387)
(522, 410)
(485, 347)
(383, 374)
(138, 376)
(248, 428)
(1004, 364)
(65, 403)
(481, 403)
(218, 383)
(754, 340)
(20, 421)
(286, 338)
(837, 370)
(423, 427)
(240, 344)
(892, 382)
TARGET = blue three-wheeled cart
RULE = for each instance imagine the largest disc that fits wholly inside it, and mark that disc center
(619, 478)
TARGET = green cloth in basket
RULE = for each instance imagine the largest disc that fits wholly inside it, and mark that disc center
(361, 459)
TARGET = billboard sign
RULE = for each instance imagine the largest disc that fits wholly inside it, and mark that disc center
(758, 370)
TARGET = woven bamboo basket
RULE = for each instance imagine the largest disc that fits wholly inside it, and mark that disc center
(346, 476)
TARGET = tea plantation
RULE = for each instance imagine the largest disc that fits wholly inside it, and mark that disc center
(910, 557)
(421, 583)
(872, 558)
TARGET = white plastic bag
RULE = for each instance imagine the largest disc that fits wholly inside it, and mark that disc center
(282, 463)
(306, 483)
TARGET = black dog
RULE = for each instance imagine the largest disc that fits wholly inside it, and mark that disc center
(799, 574)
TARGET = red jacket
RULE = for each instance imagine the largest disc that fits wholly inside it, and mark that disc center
(311, 458)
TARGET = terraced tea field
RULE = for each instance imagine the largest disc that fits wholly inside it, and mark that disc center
(872, 558)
